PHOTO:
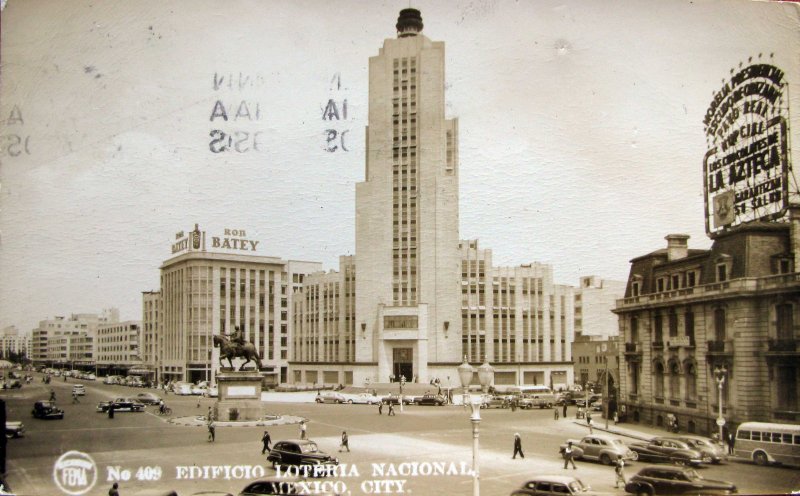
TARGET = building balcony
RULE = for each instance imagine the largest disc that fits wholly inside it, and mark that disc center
(782, 347)
(749, 285)
(658, 345)
(680, 342)
(720, 348)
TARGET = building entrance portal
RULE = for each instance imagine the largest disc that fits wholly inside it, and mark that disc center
(403, 363)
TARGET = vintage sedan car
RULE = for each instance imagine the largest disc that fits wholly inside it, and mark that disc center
(148, 398)
(494, 402)
(582, 401)
(540, 401)
(12, 384)
(706, 446)
(121, 405)
(390, 398)
(602, 448)
(47, 410)
(361, 398)
(213, 392)
(430, 399)
(675, 480)
(299, 452)
(551, 485)
(330, 397)
(665, 449)
(297, 486)
(79, 390)
(14, 428)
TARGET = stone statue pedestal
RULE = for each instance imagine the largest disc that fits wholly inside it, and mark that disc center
(239, 396)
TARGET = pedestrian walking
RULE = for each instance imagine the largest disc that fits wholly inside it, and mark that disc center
(265, 440)
(517, 446)
(210, 414)
(198, 401)
(53, 396)
(212, 431)
(731, 442)
(589, 422)
(555, 413)
(380, 408)
(569, 452)
(619, 472)
(564, 410)
(303, 432)
(111, 410)
(391, 410)
(345, 442)
(514, 405)
(75, 398)
(616, 418)
(114, 491)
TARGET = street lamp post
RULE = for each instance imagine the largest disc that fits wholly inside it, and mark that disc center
(402, 383)
(719, 375)
(485, 375)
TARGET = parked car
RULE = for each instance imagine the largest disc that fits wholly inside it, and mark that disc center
(12, 384)
(675, 480)
(706, 446)
(79, 390)
(46, 410)
(410, 399)
(330, 397)
(199, 390)
(110, 379)
(602, 448)
(551, 485)
(14, 428)
(430, 399)
(299, 452)
(212, 392)
(494, 402)
(582, 401)
(148, 398)
(664, 449)
(540, 401)
(361, 398)
(390, 398)
(182, 388)
(121, 405)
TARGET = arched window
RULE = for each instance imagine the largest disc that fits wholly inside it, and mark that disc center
(658, 379)
(674, 380)
(719, 324)
(691, 381)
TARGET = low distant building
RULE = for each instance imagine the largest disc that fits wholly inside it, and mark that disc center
(45, 347)
(117, 348)
(14, 343)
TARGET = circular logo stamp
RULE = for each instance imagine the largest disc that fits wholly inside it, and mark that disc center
(75, 473)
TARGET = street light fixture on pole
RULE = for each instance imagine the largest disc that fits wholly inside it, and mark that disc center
(719, 375)
(485, 375)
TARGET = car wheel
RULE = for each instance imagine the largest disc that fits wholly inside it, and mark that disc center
(645, 491)
(605, 459)
(760, 458)
(349, 402)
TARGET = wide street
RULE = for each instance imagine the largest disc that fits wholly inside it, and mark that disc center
(420, 434)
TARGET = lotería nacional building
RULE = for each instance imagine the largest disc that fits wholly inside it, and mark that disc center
(711, 336)
(414, 301)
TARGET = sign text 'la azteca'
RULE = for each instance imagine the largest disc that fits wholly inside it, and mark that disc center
(746, 168)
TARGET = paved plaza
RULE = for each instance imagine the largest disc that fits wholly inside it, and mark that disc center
(423, 450)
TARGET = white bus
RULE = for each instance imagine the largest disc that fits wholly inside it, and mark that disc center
(766, 443)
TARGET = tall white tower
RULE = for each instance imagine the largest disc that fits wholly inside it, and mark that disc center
(408, 312)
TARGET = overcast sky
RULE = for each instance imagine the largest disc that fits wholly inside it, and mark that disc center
(580, 126)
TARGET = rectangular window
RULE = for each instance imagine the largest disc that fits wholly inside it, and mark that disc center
(660, 285)
(658, 329)
(722, 272)
(673, 324)
(784, 321)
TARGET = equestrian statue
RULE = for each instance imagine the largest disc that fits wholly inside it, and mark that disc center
(234, 346)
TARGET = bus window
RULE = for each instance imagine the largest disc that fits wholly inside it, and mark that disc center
(755, 436)
(776, 437)
(796, 439)
(787, 438)
(746, 435)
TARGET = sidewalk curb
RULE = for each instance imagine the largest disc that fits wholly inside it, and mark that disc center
(618, 432)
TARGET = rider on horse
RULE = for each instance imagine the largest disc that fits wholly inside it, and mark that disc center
(236, 337)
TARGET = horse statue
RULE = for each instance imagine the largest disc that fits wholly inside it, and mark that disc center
(230, 350)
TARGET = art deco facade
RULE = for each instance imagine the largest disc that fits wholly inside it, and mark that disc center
(689, 312)
(205, 294)
(117, 346)
(401, 307)
(47, 349)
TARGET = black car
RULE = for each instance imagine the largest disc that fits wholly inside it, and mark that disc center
(675, 480)
(121, 405)
(46, 410)
(430, 399)
(299, 452)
